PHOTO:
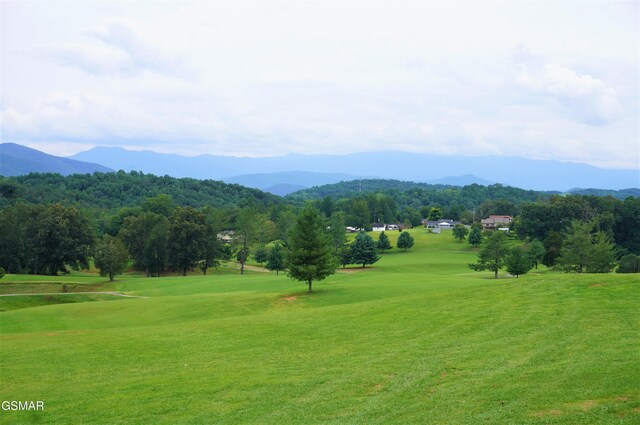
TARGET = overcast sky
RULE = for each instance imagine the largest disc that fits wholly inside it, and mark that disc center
(543, 80)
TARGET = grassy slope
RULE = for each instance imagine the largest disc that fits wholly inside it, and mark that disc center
(418, 338)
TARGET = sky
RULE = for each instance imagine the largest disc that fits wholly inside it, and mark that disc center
(535, 79)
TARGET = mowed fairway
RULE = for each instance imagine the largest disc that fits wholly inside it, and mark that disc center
(418, 338)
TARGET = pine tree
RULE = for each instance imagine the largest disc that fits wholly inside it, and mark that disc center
(518, 262)
(384, 243)
(363, 250)
(310, 255)
(405, 241)
(492, 255)
(275, 259)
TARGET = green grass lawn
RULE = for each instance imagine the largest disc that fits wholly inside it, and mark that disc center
(417, 338)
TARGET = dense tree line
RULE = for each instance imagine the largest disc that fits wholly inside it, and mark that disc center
(110, 191)
(49, 223)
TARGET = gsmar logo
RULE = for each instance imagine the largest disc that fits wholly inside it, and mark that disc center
(22, 405)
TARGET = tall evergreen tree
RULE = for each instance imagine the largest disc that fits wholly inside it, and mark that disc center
(492, 254)
(384, 243)
(275, 259)
(364, 250)
(518, 262)
(601, 254)
(310, 256)
(586, 250)
(405, 241)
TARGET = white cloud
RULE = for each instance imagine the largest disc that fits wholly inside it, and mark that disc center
(586, 97)
(526, 79)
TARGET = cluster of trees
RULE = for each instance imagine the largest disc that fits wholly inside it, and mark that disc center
(585, 248)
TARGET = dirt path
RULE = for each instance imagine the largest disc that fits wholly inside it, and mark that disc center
(117, 294)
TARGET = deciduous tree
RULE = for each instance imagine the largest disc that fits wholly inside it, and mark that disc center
(460, 232)
(405, 241)
(111, 256)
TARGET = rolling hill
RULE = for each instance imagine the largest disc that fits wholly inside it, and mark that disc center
(17, 160)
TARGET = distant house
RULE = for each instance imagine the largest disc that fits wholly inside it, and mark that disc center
(496, 221)
(381, 227)
(440, 224)
(350, 229)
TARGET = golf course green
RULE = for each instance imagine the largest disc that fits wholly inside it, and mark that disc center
(417, 338)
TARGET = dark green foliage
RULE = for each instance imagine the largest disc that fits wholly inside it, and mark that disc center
(536, 252)
(492, 254)
(260, 254)
(552, 246)
(475, 236)
(364, 250)
(344, 255)
(384, 243)
(601, 254)
(405, 241)
(275, 258)
(435, 214)
(518, 262)
(460, 231)
(247, 226)
(630, 263)
(627, 225)
(111, 256)
(586, 250)
(575, 255)
(188, 234)
(51, 237)
(310, 255)
(115, 190)
(146, 237)
(1, 272)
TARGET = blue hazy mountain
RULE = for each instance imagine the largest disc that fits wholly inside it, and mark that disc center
(513, 171)
(285, 182)
(16, 160)
(464, 180)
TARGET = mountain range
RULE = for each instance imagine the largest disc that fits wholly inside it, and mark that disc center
(17, 160)
(418, 167)
(286, 174)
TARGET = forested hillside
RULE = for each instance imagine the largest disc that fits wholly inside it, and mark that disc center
(116, 190)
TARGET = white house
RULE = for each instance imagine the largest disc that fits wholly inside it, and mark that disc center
(378, 227)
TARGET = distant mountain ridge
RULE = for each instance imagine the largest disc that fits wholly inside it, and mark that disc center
(285, 182)
(17, 160)
(512, 171)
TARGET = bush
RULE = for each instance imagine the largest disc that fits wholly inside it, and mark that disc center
(630, 263)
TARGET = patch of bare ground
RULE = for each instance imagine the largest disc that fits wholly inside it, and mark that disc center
(548, 413)
(290, 298)
(350, 270)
